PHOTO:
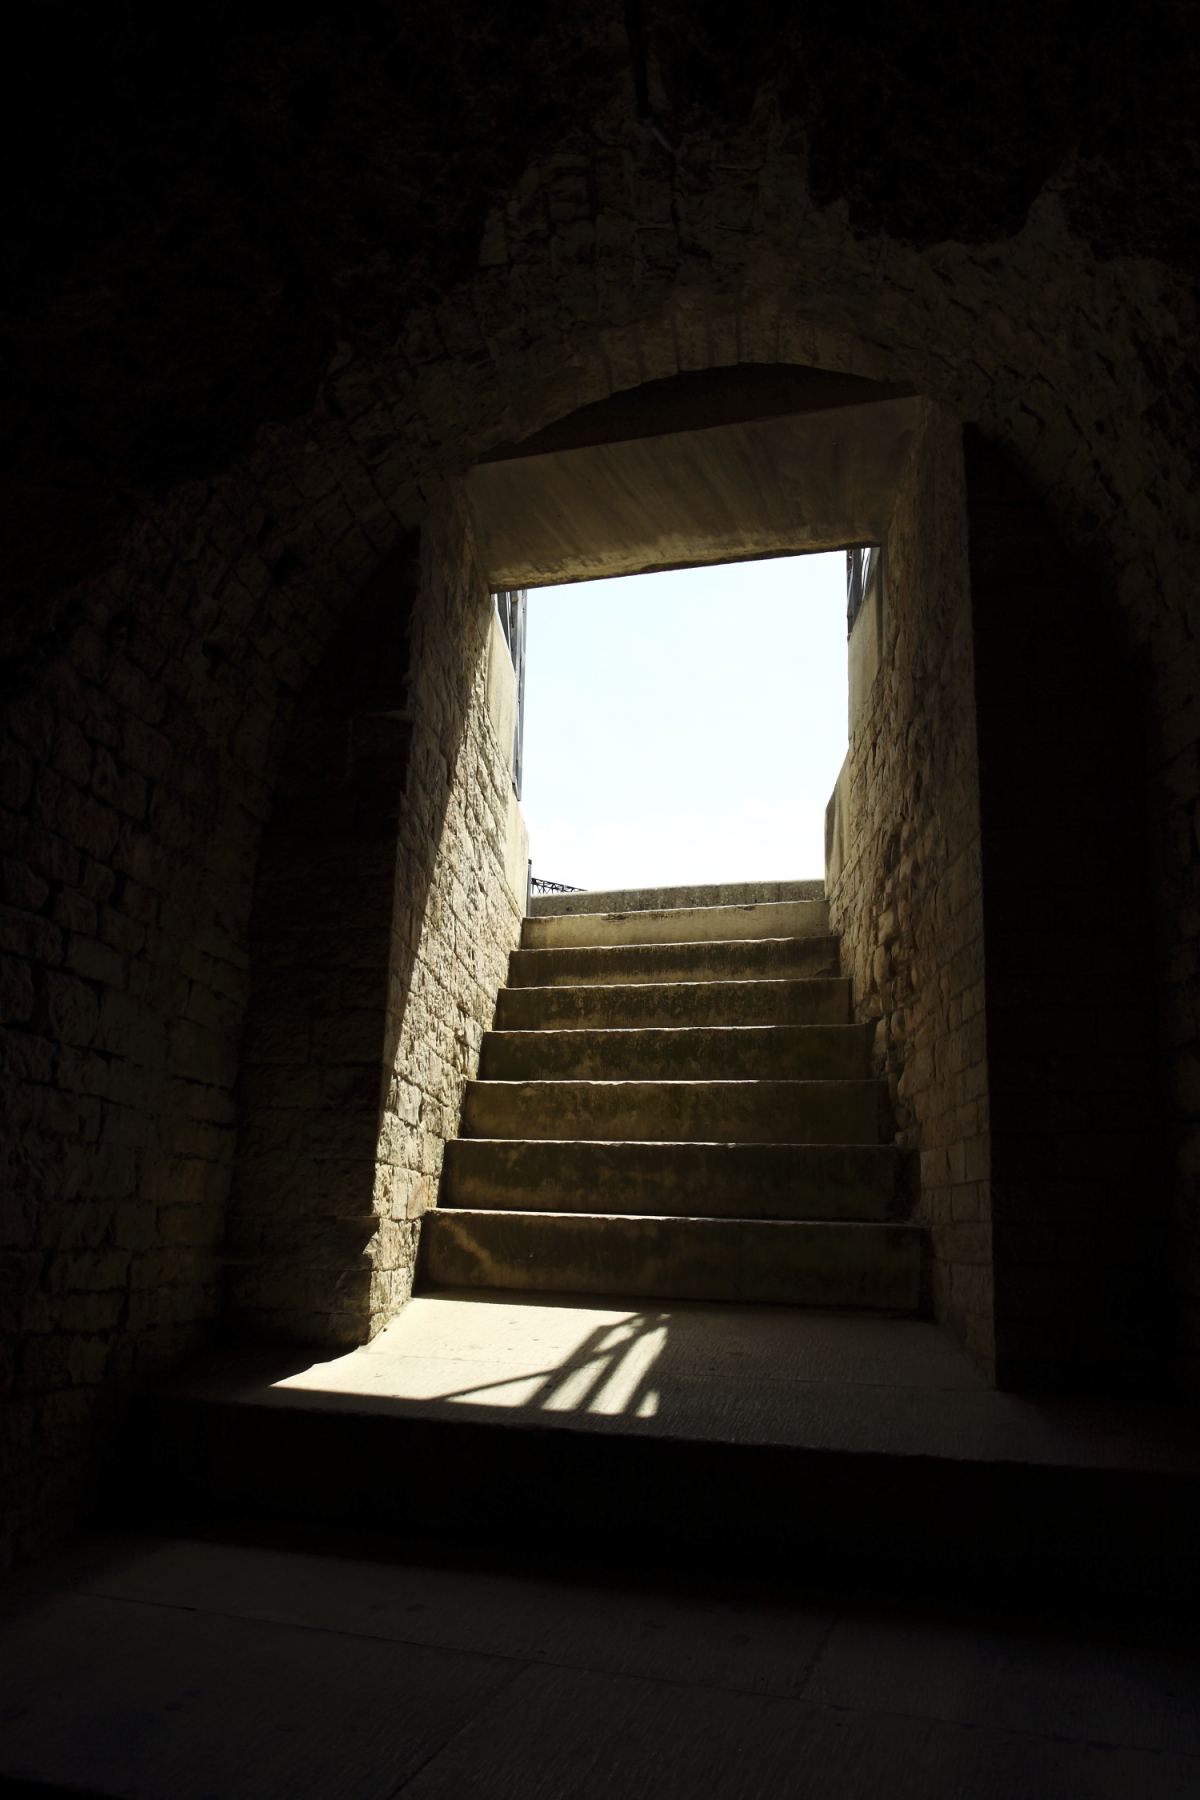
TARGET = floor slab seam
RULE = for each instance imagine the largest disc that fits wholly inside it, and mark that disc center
(464, 1725)
(991, 1726)
(801, 1709)
(289, 1624)
(814, 1660)
(432, 1643)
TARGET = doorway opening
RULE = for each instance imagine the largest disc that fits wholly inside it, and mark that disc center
(687, 726)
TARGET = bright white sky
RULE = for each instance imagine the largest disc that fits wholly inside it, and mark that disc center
(685, 727)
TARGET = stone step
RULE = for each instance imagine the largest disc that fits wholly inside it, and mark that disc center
(725, 1181)
(751, 959)
(817, 1002)
(764, 1261)
(681, 1053)
(720, 893)
(679, 925)
(746, 1112)
(780, 1443)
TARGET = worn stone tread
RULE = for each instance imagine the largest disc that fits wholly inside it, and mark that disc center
(679, 925)
(794, 1112)
(752, 1181)
(781, 1262)
(820, 1000)
(720, 893)
(749, 959)
(680, 1053)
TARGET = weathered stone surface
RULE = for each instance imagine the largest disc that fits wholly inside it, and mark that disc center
(769, 959)
(737, 1181)
(683, 925)
(384, 917)
(905, 885)
(719, 893)
(770, 1261)
(812, 1002)
(680, 1053)
(748, 1112)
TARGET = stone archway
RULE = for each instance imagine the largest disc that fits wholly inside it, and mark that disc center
(912, 899)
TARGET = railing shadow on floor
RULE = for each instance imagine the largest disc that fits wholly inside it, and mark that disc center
(609, 1373)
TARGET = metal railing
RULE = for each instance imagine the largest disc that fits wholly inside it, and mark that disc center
(539, 885)
(860, 566)
(512, 606)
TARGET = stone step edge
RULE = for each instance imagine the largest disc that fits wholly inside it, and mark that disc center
(644, 987)
(859, 1025)
(694, 944)
(698, 1036)
(683, 1143)
(912, 1226)
(714, 906)
(738, 1081)
(986, 1521)
(866, 1265)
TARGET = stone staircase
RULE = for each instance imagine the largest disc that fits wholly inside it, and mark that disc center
(675, 1103)
(674, 1113)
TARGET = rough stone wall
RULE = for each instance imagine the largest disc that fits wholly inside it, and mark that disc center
(907, 898)
(1078, 1108)
(460, 894)
(142, 735)
(137, 777)
(383, 922)
(298, 1244)
(991, 845)
(138, 740)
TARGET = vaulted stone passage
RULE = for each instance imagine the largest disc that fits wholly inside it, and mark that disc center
(674, 1103)
(315, 334)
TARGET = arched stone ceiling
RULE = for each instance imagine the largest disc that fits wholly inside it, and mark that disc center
(209, 206)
